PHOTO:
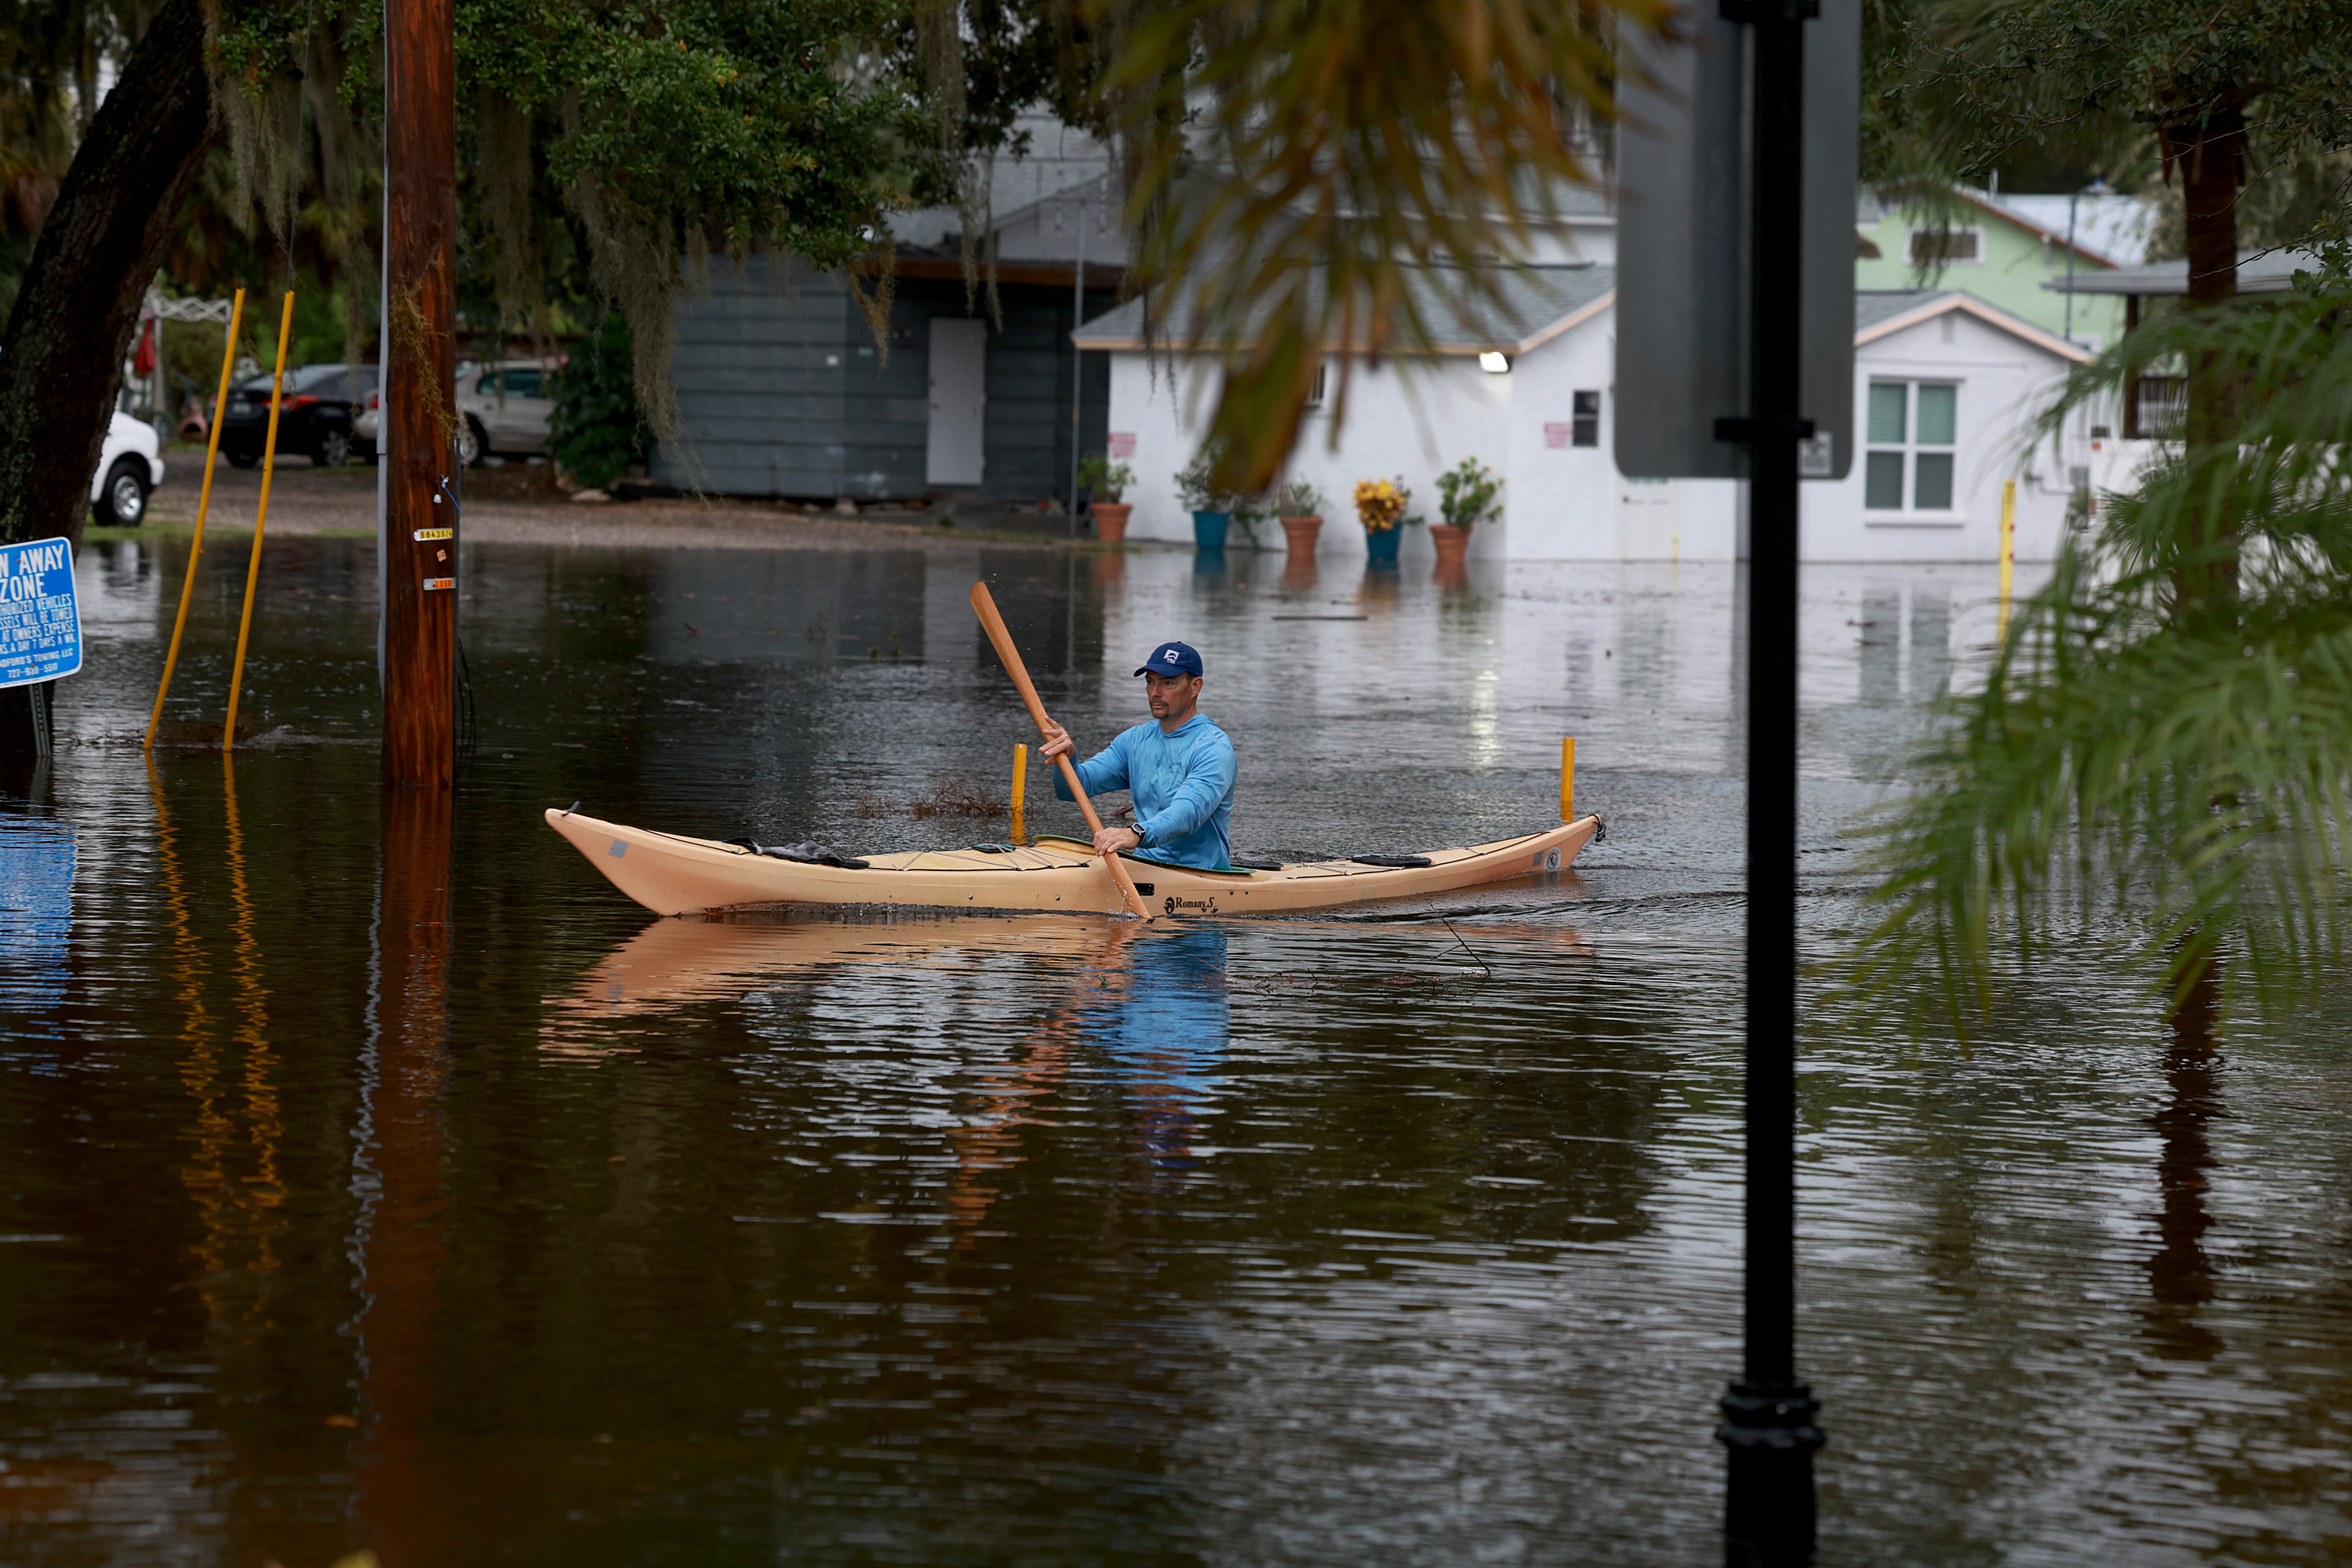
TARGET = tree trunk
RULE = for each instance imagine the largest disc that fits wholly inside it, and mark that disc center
(78, 303)
(2210, 154)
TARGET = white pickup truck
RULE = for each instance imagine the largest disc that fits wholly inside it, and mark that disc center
(129, 467)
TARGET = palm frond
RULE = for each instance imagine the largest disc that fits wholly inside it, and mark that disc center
(1290, 160)
(2170, 775)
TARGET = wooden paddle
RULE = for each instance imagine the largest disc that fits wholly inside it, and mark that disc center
(984, 605)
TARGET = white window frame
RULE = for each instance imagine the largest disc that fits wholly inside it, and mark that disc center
(1911, 447)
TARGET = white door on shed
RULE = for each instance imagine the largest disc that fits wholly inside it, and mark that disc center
(959, 401)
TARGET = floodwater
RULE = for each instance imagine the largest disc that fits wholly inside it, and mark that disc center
(372, 1175)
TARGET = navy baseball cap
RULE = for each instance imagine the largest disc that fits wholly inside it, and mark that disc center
(1172, 658)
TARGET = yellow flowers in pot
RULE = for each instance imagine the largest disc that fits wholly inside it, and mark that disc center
(1380, 504)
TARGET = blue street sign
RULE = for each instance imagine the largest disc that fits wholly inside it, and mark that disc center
(40, 623)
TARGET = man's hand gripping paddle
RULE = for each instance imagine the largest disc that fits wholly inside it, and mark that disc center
(984, 605)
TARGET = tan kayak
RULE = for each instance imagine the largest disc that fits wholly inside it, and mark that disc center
(673, 875)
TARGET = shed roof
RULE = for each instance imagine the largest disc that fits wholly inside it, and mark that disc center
(1537, 304)
(2259, 273)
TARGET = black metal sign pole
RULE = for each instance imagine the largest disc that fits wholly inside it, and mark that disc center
(1767, 1413)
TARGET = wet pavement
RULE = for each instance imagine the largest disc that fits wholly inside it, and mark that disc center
(372, 1174)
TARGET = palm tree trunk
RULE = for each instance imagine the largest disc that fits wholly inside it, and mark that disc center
(78, 303)
(2210, 152)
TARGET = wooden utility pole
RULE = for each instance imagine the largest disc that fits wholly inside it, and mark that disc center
(419, 436)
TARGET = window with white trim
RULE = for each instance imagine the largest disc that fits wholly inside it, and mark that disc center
(1912, 430)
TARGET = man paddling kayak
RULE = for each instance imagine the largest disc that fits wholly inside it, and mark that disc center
(1179, 771)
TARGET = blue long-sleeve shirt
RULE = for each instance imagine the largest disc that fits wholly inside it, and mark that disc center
(1182, 786)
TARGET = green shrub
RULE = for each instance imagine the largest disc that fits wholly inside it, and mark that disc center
(1104, 479)
(596, 428)
(1468, 494)
(1197, 489)
(1298, 499)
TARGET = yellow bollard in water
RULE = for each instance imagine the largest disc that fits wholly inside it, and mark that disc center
(260, 520)
(204, 506)
(2008, 546)
(1568, 778)
(1020, 785)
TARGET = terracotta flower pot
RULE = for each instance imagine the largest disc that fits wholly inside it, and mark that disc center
(1451, 542)
(1110, 520)
(1302, 532)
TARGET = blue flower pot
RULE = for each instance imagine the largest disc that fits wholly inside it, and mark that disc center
(1209, 529)
(1380, 544)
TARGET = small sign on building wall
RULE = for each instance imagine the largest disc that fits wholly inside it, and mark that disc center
(1122, 443)
(1556, 433)
(40, 623)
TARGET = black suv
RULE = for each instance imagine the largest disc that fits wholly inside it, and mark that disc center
(315, 419)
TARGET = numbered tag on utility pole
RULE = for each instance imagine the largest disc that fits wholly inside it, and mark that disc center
(40, 623)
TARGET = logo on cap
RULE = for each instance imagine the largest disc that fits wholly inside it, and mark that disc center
(1170, 658)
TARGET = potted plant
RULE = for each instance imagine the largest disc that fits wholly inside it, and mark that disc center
(1248, 511)
(1468, 494)
(1105, 482)
(1299, 505)
(1383, 507)
(1211, 504)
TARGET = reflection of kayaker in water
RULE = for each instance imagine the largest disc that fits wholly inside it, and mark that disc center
(1165, 1030)
(1154, 1009)
(1180, 771)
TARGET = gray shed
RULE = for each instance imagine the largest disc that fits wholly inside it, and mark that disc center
(783, 390)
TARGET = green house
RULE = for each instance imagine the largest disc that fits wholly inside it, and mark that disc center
(2002, 249)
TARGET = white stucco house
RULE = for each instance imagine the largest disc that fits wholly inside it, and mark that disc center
(1946, 392)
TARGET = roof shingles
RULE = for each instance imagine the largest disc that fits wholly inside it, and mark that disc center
(1536, 302)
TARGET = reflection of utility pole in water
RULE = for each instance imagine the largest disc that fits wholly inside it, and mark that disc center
(2180, 1276)
(418, 550)
(399, 1243)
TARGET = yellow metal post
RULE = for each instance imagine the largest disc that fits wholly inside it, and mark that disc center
(1568, 778)
(260, 519)
(204, 505)
(1020, 785)
(2008, 546)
